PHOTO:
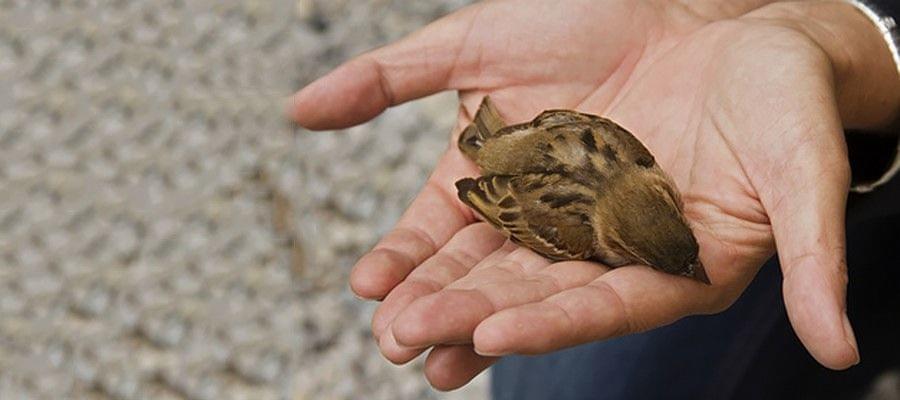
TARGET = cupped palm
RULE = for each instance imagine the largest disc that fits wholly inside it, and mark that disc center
(740, 112)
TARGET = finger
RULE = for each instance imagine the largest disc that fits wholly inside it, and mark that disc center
(394, 352)
(622, 301)
(417, 235)
(451, 367)
(423, 63)
(808, 224)
(798, 165)
(476, 243)
(423, 281)
(451, 315)
(803, 184)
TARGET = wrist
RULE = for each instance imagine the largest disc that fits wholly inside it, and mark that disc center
(866, 78)
(719, 9)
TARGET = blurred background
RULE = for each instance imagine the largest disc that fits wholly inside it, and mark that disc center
(164, 233)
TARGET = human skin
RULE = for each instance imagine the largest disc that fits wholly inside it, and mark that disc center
(743, 104)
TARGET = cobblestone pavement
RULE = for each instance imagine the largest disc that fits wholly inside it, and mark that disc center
(163, 233)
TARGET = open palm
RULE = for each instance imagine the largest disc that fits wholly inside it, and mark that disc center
(740, 112)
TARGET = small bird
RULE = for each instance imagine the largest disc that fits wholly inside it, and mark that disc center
(575, 186)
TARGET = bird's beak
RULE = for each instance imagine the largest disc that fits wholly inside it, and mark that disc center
(699, 273)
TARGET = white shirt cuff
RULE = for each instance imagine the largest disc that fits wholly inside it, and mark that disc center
(891, 33)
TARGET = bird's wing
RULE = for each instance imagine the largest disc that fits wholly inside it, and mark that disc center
(620, 144)
(598, 135)
(556, 141)
(545, 212)
(550, 118)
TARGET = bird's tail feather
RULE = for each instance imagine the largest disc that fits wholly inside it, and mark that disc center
(486, 123)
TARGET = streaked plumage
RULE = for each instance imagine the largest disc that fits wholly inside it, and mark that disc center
(575, 186)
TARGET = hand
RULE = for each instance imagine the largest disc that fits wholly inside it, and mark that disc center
(743, 113)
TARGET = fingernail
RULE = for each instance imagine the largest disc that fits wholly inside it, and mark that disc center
(393, 341)
(850, 337)
(358, 297)
(389, 347)
(486, 353)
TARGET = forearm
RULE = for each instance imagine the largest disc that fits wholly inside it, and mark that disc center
(866, 78)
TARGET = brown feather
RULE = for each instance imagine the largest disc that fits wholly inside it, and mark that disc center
(560, 232)
(571, 185)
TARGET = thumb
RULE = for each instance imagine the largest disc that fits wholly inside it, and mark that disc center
(421, 64)
(808, 224)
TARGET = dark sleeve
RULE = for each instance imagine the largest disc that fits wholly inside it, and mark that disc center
(890, 8)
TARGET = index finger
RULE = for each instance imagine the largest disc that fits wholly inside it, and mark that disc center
(421, 64)
(427, 225)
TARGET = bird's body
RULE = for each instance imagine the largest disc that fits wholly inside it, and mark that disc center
(574, 186)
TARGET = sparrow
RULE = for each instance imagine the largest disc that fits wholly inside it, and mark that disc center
(576, 186)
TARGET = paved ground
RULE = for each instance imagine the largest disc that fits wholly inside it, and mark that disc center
(164, 233)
